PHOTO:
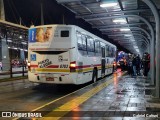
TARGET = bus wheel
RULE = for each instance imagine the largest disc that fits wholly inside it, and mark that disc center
(94, 76)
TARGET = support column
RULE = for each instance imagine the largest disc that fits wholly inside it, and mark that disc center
(2, 13)
(157, 19)
(5, 59)
(22, 55)
(5, 56)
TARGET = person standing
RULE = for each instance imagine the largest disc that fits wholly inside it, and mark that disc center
(130, 71)
(1, 66)
(146, 64)
(138, 62)
(134, 65)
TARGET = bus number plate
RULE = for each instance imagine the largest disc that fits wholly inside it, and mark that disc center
(49, 77)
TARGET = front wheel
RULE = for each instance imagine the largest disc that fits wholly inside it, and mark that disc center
(94, 76)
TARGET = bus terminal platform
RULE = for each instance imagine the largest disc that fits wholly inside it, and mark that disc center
(117, 97)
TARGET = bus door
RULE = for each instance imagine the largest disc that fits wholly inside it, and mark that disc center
(103, 61)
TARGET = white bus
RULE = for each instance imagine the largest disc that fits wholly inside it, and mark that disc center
(67, 54)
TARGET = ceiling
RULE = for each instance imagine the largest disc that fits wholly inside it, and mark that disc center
(136, 39)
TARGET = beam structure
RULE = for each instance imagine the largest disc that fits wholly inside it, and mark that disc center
(118, 25)
(111, 13)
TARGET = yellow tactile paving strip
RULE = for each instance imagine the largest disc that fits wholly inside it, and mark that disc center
(67, 107)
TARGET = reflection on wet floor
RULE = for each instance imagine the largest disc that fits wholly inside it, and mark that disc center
(125, 99)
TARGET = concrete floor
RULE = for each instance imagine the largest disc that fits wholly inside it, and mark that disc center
(116, 97)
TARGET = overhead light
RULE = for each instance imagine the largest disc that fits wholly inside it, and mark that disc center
(132, 39)
(24, 43)
(9, 47)
(9, 40)
(120, 20)
(15, 48)
(136, 47)
(20, 36)
(125, 29)
(128, 35)
(25, 50)
(108, 3)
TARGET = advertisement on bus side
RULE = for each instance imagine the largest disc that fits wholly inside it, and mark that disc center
(40, 37)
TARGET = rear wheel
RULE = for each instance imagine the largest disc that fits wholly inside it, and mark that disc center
(94, 76)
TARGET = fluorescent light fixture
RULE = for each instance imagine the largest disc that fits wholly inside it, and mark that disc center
(9, 47)
(108, 3)
(124, 29)
(136, 47)
(15, 48)
(24, 43)
(121, 20)
(9, 40)
(25, 50)
(103, 5)
(132, 39)
(128, 35)
(21, 49)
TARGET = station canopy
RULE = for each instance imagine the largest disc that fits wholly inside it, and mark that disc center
(121, 20)
(16, 36)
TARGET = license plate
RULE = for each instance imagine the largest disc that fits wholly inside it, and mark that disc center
(49, 79)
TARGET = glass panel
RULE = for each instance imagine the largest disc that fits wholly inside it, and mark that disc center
(65, 33)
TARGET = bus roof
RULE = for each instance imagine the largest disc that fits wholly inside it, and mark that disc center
(77, 27)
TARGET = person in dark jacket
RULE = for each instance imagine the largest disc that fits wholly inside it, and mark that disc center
(146, 64)
(138, 62)
(129, 65)
(134, 65)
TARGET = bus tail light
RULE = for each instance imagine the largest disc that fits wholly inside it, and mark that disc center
(114, 63)
(73, 66)
(29, 66)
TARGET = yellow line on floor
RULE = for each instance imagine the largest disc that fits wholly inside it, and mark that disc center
(67, 107)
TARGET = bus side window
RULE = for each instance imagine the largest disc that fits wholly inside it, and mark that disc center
(114, 52)
(64, 33)
(96, 47)
(79, 40)
(90, 46)
(84, 44)
(107, 51)
(110, 50)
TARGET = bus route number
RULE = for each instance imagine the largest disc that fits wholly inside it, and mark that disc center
(63, 66)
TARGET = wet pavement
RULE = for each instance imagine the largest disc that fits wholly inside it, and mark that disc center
(125, 99)
(22, 95)
(116, 97)
(17, 71)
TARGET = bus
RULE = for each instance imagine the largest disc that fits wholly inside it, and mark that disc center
(67, 54)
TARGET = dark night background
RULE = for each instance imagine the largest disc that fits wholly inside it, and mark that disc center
(30, 13)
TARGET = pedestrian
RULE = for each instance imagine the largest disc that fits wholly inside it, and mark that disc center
(130, 71)
(134, 65)
(138, 62)
(146, 63)
(1, 66)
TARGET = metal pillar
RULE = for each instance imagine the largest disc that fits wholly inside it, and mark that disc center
(22, 58)
(4, 47)
(157, 19)
(5, 56)
(2, 13)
